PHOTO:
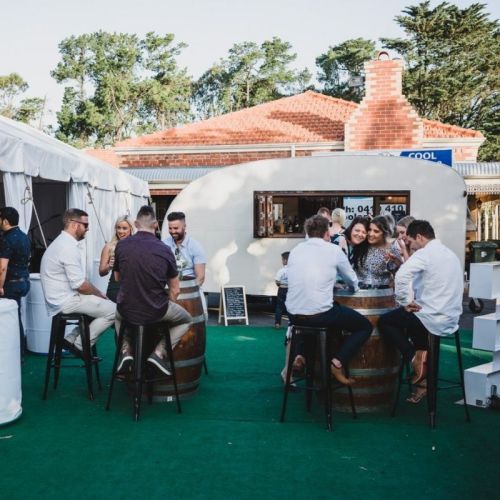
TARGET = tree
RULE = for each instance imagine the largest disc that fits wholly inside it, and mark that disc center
(340, 63)
(118, 85)
(250, 75)
(27, 110)
(452, 58)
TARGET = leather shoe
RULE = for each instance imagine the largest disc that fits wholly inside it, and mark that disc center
(419, 365)
(338, 373)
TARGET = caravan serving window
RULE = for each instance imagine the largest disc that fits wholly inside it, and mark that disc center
(281, 214)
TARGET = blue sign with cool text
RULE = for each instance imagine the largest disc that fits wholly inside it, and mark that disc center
(444, 156)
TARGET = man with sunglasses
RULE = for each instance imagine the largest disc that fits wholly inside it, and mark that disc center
(65, 286)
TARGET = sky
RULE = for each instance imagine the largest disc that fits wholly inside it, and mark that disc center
(32, 29)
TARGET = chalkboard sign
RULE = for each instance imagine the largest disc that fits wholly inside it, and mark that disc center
(233, 304)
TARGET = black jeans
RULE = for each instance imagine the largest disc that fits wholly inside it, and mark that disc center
(342, 318)
(399, 326)
(280, 305)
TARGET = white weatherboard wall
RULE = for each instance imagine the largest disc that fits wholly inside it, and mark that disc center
(219, 208)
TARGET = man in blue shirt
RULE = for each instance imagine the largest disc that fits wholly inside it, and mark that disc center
(189, 254)
(15, 253)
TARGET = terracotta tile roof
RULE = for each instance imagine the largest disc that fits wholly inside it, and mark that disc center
(307, 117)
(303, 118)
(107, 155)
(435, 130)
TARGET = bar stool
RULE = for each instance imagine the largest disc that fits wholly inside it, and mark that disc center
(140, 367)
(319, 335)
(434, 343)
(54, 357)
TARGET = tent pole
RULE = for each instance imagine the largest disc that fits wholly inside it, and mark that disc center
(30, 197)
(91, 201)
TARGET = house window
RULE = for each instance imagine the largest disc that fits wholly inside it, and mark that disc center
(282, 213)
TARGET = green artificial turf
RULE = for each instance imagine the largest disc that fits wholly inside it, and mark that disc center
(228, 442)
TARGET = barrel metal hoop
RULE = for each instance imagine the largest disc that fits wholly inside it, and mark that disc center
(187, 296)
(188, 362)
(372, 292)
(188, 283)
(374, 312)
(198, 319)
(188, 385)
(373, 372)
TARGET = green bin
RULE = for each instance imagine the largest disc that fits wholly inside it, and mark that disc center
(482, 251)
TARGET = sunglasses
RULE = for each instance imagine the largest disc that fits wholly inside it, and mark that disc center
(84, 224)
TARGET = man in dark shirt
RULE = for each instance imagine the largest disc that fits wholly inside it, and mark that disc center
(15, 252)
(144, 266)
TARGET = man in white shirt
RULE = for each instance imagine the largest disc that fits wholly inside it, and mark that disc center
(312, 273)
(429, 288)
(65, 286)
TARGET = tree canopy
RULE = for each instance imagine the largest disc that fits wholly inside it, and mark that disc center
(452, 72)
(12, 105)
(118, 85)
(250, 75)
(340, 63)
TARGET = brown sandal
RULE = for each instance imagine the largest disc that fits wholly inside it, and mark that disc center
(417, 396)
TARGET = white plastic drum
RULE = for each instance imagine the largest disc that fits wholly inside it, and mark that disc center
(38, 322)
(10, 363)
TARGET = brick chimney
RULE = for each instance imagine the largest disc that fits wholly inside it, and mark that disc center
(384, 118)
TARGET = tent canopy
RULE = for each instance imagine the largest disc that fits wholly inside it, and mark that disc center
(25, 150)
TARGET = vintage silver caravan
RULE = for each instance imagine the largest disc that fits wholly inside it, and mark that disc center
(246, 215)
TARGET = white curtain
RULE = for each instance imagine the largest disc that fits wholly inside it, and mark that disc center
(18, 189)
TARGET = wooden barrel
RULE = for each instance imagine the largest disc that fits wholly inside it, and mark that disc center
(189, 353)
(375, 366)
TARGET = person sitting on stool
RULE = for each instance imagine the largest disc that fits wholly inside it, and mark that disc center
(65, 286)
(429, 287)
(144, 266)
(312, 273)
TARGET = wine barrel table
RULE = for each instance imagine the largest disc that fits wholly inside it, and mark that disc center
(375, 367)
(189, 353)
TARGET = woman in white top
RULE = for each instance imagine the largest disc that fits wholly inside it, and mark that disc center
(123, 228)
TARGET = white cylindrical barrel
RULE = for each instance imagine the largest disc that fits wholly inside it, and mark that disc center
(38, 322)
(10, 363)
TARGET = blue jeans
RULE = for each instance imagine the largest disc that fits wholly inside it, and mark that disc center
(341, 318)
(16, 290)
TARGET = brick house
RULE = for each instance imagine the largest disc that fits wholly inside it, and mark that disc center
(301, 125)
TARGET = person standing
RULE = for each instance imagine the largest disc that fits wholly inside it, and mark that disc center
(65, 287)
(429, 287)
(144, 266)
(281, 281)
(312, 272)
(15, 253)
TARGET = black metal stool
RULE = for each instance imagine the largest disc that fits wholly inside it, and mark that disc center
(434, 344)
(54, 357)
(140, 378)
(319, 334)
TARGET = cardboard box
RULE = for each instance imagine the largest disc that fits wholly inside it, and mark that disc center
(479, 382)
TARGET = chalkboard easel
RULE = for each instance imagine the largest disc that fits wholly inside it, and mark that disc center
(233, 304)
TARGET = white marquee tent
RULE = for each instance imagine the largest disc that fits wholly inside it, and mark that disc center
(42, 176)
